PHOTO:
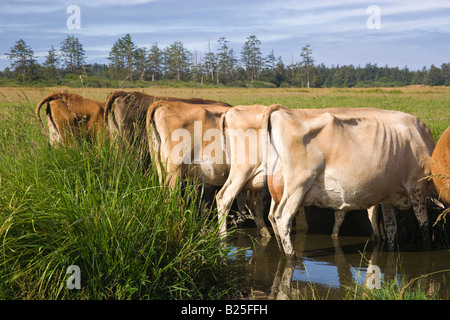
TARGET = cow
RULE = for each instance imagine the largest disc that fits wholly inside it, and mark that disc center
(346, 159)
(440, 166)
(241, 139)
(241, 130)
(71, 114)
(185, 140)
(167, 123)
(125, 116)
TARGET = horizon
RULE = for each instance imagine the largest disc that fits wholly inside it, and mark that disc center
(342, 32)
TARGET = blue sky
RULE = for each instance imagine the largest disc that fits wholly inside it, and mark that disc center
(415, 33)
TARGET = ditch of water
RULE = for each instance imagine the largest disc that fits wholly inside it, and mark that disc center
(331, 265)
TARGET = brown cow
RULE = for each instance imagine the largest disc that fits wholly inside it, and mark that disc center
(440, 166)
(185, 140)
(176, 134)
(125, 114)
(70, 114)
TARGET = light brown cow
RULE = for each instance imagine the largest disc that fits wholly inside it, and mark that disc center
(346, 159)
(241, 129)
(185, 140)
(440, 166)
(178, 135)
(71, 115)
(125, 114)
(242, 140)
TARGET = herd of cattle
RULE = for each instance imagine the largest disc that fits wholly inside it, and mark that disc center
(339, 158)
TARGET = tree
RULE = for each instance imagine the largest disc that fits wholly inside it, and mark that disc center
(122, 57)
(51, 64)
(177, 61)
(279, 73)
(155, 62)
(141, 62)
(225, 60)
(210, 63)
(72, 53)
(251, 58)
(270, 63)
(22, 57)
(445, 70)
(307, 62)
(434, 77)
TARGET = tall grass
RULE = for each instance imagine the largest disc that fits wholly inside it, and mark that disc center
(94, 207)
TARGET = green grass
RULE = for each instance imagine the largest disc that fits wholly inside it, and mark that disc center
(94, 207)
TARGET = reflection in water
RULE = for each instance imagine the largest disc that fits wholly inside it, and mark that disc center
(329, 266)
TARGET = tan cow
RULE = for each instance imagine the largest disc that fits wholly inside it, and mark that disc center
(71, 114)
(440, 166)
(185, 140)
(241, 129)
(177, 141)
(242, 140)
(346, 159)
(125, 114)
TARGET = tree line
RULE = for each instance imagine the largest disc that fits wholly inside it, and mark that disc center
(128, 65)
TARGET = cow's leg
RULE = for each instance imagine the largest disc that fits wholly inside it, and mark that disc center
(241, 200)
(283, 216)
(226, 196)
(374, 218)
(254, 205)
(339, 216)
(273, 208)
(420, 209)
(174, 175)
(390, 224)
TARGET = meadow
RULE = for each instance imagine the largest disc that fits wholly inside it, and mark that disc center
(94, 207)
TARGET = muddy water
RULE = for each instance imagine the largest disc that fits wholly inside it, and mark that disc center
(329, 266)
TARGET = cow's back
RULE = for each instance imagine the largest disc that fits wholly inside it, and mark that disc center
(363, 156)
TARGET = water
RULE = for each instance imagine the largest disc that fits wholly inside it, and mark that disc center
(331, 265)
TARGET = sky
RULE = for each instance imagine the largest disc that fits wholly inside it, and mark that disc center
(412, 33)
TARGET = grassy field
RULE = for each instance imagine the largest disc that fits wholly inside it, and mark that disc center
(430, 104)
(94, 207)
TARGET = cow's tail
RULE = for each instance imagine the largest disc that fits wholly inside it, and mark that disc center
(154, 139)
(46, 100)
(223, 125)
(267, 130)
(109, 111)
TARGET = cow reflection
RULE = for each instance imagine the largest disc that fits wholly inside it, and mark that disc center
(329, 267)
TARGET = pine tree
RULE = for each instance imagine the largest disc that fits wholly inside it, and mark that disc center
(225, 60)
(51, 64)
(22, 57)
(72, 53)
(123, 57)
(177, 61)
(141, 62)
(155, 62)
(251, 58)
(307, 62)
